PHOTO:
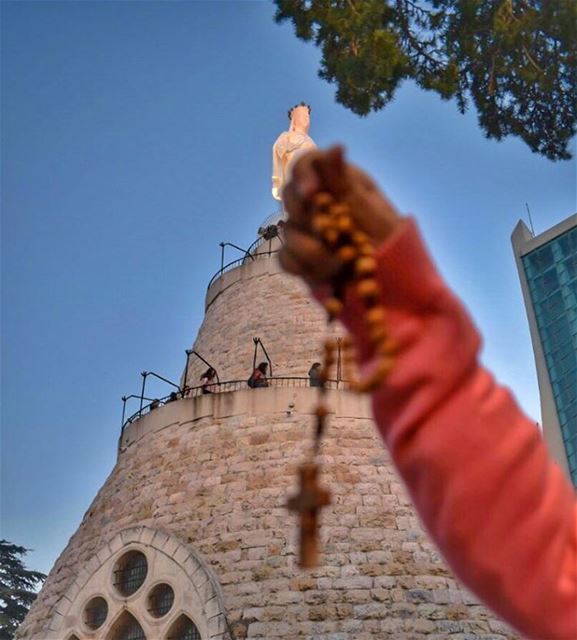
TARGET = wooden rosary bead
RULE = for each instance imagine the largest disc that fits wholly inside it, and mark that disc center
(368, 290)
(376, 378)
(375, 317)
(360, 238)
(344, 224)
(321, 411)
(347, 253)
(333, 307)
(365, 266)
(386, 346)
(331, 236)
(366, 385)
(329, 356)
(384, 367)
(339, 209)
(366, 249)
(322, 200)
(346, 343)
(329, 362)
(329, 345)
(321, 223)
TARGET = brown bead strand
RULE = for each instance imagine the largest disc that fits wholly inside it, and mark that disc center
(332, 222)
(321, 411)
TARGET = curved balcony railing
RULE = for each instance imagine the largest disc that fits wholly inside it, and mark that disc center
(226, 387)
(252, 253)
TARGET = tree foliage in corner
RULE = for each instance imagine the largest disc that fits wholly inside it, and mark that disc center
(16, 588)
(516, 60)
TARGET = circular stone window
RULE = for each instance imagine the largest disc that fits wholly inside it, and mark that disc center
(160, 600)
(95, 613)
(130, 572)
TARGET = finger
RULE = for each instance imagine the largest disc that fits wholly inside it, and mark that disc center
(294, 204)
(371, 209)
(314, 259)
(320, 170)
(359, 178)
(331, 169)
(305, 175)
(290, 263)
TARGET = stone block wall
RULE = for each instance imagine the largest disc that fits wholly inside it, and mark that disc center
(258, 300)
(219, 483)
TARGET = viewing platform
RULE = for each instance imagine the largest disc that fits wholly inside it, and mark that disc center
(249, 266)
(284, 397)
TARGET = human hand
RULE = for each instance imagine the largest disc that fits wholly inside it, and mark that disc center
(304, 253)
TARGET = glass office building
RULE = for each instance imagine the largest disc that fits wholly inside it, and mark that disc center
(548, 272)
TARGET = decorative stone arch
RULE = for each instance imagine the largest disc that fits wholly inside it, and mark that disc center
(200, 596)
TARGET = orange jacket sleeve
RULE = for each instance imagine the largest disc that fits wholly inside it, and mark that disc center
(478, 471)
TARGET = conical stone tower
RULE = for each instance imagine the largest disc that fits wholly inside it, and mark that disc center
(189, 537)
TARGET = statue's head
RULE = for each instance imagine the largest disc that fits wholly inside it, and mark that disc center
(299, 116)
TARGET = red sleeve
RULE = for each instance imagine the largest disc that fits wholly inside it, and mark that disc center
(478, 471)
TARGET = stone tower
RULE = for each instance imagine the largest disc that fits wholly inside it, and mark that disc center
(189, 537)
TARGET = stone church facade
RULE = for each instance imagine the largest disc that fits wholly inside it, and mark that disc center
(189, 537)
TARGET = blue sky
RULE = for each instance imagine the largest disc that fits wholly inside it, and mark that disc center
(136, 137)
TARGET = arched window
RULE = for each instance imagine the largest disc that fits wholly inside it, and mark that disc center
(126, 627)
(183, 629)
(130, 572)
(140, 591)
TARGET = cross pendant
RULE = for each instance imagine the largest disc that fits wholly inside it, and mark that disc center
(307, 503)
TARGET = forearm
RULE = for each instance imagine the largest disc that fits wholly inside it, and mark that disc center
(476, 467)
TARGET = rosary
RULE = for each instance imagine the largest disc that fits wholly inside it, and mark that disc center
(332, 222)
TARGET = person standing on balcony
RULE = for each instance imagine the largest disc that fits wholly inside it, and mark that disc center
(206, 380)
(315, 375)
(258, 377)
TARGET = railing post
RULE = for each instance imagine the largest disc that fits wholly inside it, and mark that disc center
(206, 362)
(255, 340)
(143, 374)
(338, 361)
(221, 257)
(188, 352)
(124, 399)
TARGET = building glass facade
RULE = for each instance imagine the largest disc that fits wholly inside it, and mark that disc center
(551, 272)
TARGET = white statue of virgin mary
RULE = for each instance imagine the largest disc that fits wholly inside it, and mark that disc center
(289, 145)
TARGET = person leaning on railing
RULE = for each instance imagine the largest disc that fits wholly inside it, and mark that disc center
(206, 379)
(315, 375)
(499, 508)
(258, 377)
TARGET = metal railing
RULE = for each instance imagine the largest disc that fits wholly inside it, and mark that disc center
(228, 386)
(251, 254)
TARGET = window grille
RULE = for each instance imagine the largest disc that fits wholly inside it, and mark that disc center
(95, 613)
(130, 572)
(131, 631)
(160, 600)
(184, 629)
